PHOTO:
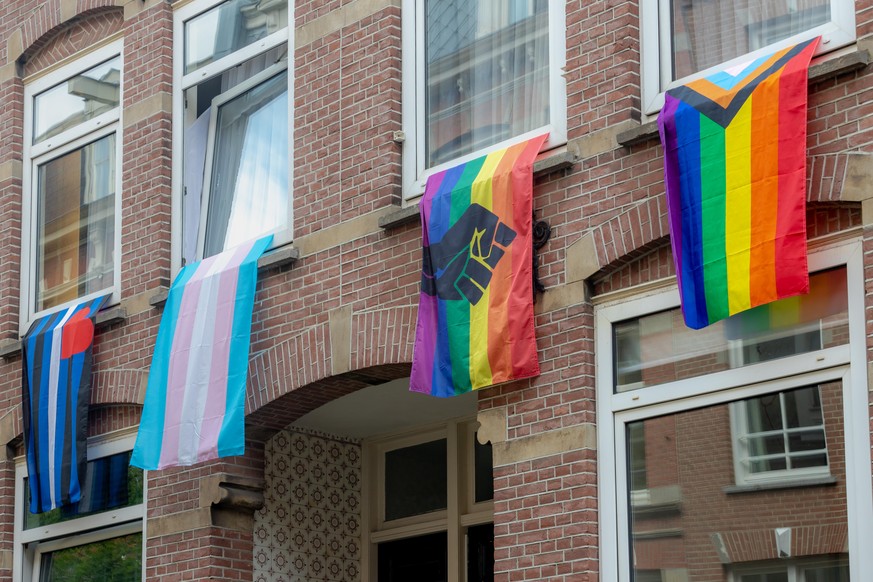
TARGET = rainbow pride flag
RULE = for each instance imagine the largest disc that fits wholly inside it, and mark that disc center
(475, 317)
(195, 398)
(735, 173)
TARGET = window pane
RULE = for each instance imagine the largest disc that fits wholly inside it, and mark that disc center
(659, 348)
(484, 474)
(712, 32)
(114, 560)
(784, 431)
(110, 483)
(829, 573)
(695, 520)
(415, 479)
(249, 187)
(637, 458)
(480, 553)
(79, 99)
(423, 559)
(487, 73)
(229, 27)
(76, 224)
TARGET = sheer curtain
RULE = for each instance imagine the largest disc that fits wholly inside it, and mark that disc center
(249, 189)
(487, 73)
(706, 33)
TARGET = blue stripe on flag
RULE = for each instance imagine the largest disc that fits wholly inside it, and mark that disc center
(147, 450)
(231, 437)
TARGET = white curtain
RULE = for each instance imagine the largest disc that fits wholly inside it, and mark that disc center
(709, 32)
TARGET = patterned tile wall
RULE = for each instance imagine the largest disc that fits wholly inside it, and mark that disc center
(310, 526)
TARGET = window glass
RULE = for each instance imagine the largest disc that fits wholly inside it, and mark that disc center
(827, 573)
(249, 185)
(78, 99)
(784, 431)
(109, 483)
(712, 32)
(487, 73)
(637, 445)
(422, 558)
(415, 480)
(484, 475)
(113, 560)
(76, 224)
(229, 27)
(694, 517)
(659, 348)
(480, 553)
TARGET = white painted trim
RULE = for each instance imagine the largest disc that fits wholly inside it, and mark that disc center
(415, 173)
(846, 363)
(656, 48)
(65, 142)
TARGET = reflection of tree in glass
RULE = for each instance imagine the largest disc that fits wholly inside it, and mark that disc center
(114, 560)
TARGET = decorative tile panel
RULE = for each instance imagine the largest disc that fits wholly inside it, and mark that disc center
(309, 529)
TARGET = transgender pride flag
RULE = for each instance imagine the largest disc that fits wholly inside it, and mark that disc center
(195, 400)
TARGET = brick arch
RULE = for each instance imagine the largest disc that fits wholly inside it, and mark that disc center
(351, 351)
(845, 178)
(59, 28)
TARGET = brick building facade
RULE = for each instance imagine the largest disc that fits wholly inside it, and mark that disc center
(624, 460)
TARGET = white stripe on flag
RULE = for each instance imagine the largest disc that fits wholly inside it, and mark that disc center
(200, 361)
(54, 372)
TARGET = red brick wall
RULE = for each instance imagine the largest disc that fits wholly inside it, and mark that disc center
(347, 104)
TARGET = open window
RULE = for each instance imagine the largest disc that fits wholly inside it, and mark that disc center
(234, 125)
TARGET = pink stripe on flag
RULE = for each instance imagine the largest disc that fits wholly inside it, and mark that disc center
(216, 397)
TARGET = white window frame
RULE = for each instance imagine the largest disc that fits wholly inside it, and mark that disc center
(656, 50)
(415, 172)
(846, 363)
(52, 148)
(793, 567)
(461, 510)
(739, 430)
(182, 82)
(30, 544)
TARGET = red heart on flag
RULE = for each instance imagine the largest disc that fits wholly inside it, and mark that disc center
(77, 335)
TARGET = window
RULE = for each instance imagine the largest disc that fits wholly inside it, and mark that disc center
(233, 125)
(833, 569)
(71, 247)
(779, 436)
(677, 35)
(101, 533)
(431, 505)
(706, 453)
(480, 75)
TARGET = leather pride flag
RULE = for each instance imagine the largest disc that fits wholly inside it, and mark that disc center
(55, 396)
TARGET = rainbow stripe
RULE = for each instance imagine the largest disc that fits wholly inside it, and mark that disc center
(475, 318)
(735, 173)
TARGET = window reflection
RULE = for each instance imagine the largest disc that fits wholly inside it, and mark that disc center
(76, 224)
(76, 100)
(659, 348)
(692, 518)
